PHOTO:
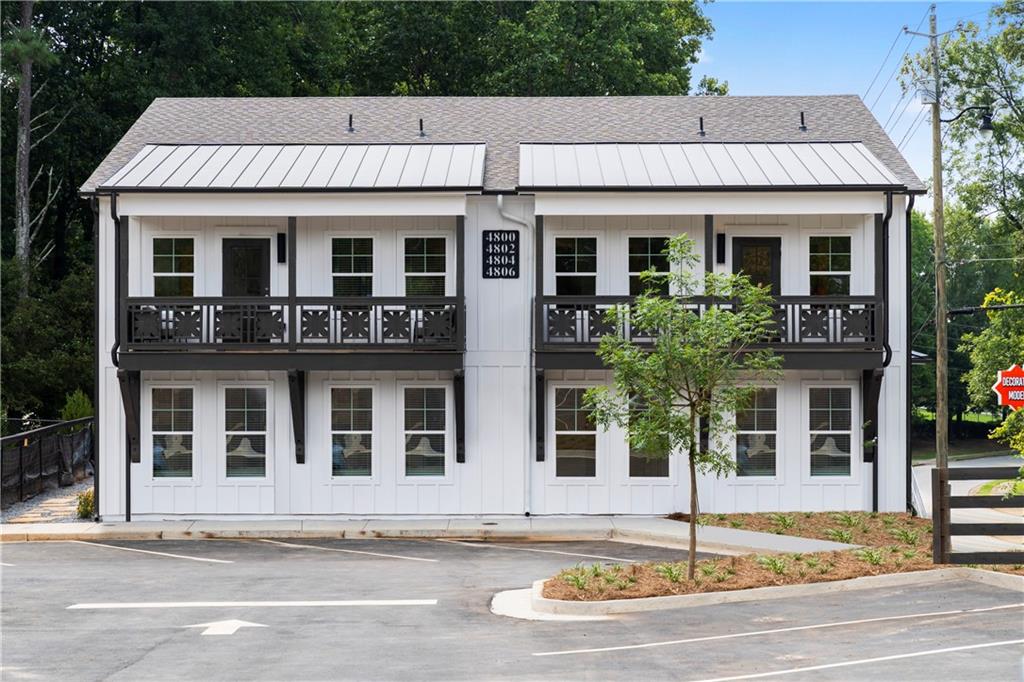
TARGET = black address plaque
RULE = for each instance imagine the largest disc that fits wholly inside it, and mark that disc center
(501, 254)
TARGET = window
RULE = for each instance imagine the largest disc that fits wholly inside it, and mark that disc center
(575, 435)
(645, 463)
(575, 266)
(831, 421)
(425, 432)
(245, 425)
(755, 435)
(352, 266)
(173, 266)
(351, 431)
(172, 432)
(425, 266)
(830, 266)
(647, 253)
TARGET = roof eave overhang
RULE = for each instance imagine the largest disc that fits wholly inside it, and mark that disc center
(722, 188)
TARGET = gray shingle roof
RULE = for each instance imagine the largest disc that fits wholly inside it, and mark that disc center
(503, 122)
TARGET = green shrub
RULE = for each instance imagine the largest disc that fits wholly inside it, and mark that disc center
(871, 556)
(906, 535)
(839, 535)
(775, 564)
(782, 522)
(674, 573)
(76, 406)
(736, 523)
(577, 580)
(86, 505)
(847, 519)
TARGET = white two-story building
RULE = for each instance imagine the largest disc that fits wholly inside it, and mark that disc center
(384, 306)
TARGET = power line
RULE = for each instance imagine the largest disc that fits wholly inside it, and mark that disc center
(899, 107)
(884, 61)
(899, 62)
(912, 130)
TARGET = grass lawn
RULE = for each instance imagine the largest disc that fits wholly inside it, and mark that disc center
(924, 450)
(892, 543)
(1001, 487)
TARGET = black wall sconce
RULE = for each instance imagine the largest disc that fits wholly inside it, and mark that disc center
(720, 247)
(282, 247)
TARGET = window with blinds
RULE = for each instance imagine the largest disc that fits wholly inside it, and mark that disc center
(245, 428)
(756, 435)
(425, 431)
(172, 430)
(351, 431)
(831, 430)
(352, 266)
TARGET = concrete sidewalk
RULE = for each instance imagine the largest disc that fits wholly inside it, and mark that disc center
(655, 530)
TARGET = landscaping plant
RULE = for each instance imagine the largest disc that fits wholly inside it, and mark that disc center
(680, 392)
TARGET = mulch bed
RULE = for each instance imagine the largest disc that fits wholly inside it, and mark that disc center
(894, 543)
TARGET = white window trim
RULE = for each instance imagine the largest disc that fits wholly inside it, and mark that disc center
(222, 435)
(856, 433)
(449, 432)
(551, 452)
(734, 478)
(375, 460)
(150, 274)
(550, 266)
(329, 249)
(449, 259)
(848, 273)
(146, 455)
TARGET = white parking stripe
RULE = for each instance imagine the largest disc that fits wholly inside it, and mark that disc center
(348, 551)
(3, 564)
(226, 604)
(149, 551)
(865, 661)
(491, 545)
(797, 628)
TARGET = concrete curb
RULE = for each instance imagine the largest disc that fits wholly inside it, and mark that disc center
(617, 606)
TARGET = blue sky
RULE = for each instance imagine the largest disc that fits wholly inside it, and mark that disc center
(811, 48)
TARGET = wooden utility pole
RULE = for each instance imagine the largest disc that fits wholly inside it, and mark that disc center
(941, 339)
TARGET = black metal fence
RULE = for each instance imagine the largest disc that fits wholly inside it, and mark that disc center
(943, 502)
(48, 457)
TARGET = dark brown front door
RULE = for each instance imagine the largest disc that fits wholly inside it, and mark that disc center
(246, 267)
(760, 258)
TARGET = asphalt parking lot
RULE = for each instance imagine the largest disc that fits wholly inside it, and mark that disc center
(419, 610)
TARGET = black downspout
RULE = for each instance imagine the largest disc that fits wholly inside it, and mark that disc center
(94, 204)
(883, 241)
(117, 279)
(909, 347)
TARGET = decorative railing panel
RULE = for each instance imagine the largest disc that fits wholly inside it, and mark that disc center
(271, 323)
(800, 321)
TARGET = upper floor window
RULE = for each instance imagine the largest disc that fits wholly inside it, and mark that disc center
(173, 266)
(575, 266)
(830, 266)
(425, 266)
(172, 432)
(352, 266)
(756, 434)
(831, 432)
(647, 253)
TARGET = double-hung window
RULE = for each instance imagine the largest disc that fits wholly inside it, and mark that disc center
(426, 260)
(425, 418)
(172, 430)
(575, 266)
(647, 253)
(352, 266)
(173, 266)
(645, 463)
(756, 431)
(575, 435)
(831, 430)
(245, 429)
(351, 431)
(830, 263)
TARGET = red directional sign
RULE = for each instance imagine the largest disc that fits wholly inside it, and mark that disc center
(1010, 387)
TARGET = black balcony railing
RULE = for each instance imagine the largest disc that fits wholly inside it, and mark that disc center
(811, 322)
(316, 323)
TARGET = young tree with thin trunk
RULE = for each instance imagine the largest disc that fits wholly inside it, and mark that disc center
(679, 392)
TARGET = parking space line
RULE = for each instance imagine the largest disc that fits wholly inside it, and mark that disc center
(349, 551)
(796, 628)
(491, 545)
(149, 551)
(228, 604)
(3, 564)
(865, 661)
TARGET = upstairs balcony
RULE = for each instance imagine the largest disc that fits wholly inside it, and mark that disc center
(810, 331)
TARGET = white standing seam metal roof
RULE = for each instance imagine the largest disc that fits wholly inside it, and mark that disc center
(213, 167)
(698, 165)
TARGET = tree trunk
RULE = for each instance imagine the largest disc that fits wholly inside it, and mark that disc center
(691, 560)
(22, 217)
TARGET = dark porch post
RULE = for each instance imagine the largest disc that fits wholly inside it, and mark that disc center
(709, 243)
(293, 329)
(130, 398)
(459, 385)
(460, 279)
(538, 333)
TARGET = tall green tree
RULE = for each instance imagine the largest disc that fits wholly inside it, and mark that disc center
(701, 369)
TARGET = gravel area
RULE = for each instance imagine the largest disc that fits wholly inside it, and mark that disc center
(56, 505)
